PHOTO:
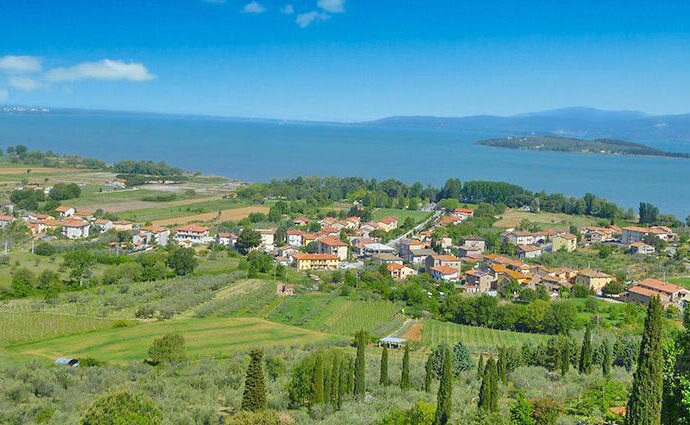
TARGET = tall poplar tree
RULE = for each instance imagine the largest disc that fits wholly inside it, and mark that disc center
(360, 367)
(565, 357)
(494, 387)
(480, 367)
(644, 402)
(429, 373)
(335, 380)
(343, 382)
(485, 389)
(254, 397)
(502, 365)
(405, 377)
(383, 379)
(444, 399)
(585, 366)
(606, 360)
(318, 392)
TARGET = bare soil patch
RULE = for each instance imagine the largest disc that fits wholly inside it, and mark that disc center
(232, 214)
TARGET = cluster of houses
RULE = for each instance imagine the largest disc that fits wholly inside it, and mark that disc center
(534, 244)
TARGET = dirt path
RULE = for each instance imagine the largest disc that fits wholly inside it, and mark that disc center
(232, 214)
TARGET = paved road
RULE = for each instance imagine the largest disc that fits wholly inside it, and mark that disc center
(395, 242)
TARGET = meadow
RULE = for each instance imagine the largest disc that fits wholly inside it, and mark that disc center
(203, 338)
(169, 212)
(512, 218)
(22, 327)
(401, 215)
(474, 337)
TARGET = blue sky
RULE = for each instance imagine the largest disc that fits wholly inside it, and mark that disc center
(346, 59)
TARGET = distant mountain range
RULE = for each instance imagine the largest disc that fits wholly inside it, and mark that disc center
(572, 122)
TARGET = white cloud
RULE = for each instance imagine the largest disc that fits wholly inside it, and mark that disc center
(24, 83)
(106, 69)
(19, 64)
(288, 9)
(304, 19)
(333, 6)
(4, 95)
(253, 7)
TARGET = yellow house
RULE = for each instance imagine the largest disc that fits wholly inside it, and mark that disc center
(566, 241)
(593, 279)
(315, 261)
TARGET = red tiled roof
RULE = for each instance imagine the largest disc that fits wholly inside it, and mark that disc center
(660, 286)
(332, 242)
(193, 229)
(302, 256)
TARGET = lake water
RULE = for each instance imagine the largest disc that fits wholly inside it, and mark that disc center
(259, 150)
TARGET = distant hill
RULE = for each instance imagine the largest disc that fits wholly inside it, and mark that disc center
(569, 144)
(588, 123)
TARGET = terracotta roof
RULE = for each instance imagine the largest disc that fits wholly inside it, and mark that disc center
(193, 229)
(643, 291)
(463, 211)
(393, 267)
(123, 222)
(528, 248)
(388, 220)
(638, 244)
(73, 223)
(63, 208)
(445, 270)
(224, 235)
(444, 257)
(660, 286)
(6, 218)
(154, 229)
(591, 273)
(332, 242)
(302, 256)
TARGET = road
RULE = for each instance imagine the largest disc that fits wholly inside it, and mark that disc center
(395, 242)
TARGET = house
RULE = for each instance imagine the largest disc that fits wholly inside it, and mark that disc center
(333, 246)
(445, 243)
(400, 271)
(526, 252)
(152, 235)
(469, 251)
(475, 242)
(641, 248)
(594, 280)
(74, 228)
(674, 293)
(386, 258)
(566, 241)
(103, 225)
(36, 217)
(65, 211)
(594, 234)
(517, 237)
(637, 234)
(288, 290)
(387, 223)
(441, 260)
(5, 220)
(377, 248)
(444, 273)
(267, 238)
(84, 215)
(406, 245)
(327, 221)
(6, 207)
(123, 225)
(226, 238)
(117, 184)
(315, 261)
(193, 234)
(642, 296)
(301, 221)
(294, 237)
(48, 224)
(449, 219)
(419, 256)
(481, 280)
(463, 213)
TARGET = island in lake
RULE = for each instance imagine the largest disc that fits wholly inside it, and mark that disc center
(569, 144)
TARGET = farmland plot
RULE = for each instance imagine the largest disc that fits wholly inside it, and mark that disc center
(24, 327)
(474, 337)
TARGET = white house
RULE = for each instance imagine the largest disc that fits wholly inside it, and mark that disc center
(65, 211)
(75, 229)
(294, 237)
(192, 234)
(103, 225)
(5, 220)
(152, 235)
(227, 239)
(519, 237)
(528, 251)
(267, 238)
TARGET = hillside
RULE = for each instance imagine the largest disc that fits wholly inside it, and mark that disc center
(568, 144)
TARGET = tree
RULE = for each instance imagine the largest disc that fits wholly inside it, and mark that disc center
(480, 367)
(383, 380)
(521, 412)
(360, 366)
(168, 348)
(122, 408)
(565, 357)
(462, 359)
(502, 365)
(486, 386)
(444, 398)
(644, 402)
(405, 377)
(182, 261)
(335, 381)
(254, 397)
(343, 381)
(79, 262)
(23, 281)
(606, 360)
(494, 387)
(246, 240)
(428, 374)
(452, 189)
(649, 213)
(319, 396)
(585, 365)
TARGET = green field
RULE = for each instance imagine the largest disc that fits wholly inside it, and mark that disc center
(164, 213)
(26, 327)
(338, 315)
(474, 337)
(682, 281)
(417, 216)
(203, 337)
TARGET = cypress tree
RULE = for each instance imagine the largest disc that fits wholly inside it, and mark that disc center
(335, 381)
(480, 367)
(494, 387)
(350, 376)
(445, 389)
(644, 402)
(327, 388)
(360, 367)
(429, 373)
(585, 366)
(502, 365)
(606, 361)
(342, 383)
(565, 357)
(254, 397)
(485, 389)
(383, 380)
(318, 396)
(405, 377)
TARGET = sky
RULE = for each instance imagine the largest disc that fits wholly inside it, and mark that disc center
(346, 60)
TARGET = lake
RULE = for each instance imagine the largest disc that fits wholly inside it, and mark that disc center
(255, 150)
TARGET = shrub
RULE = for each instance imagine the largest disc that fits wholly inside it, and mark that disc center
(169, 348)
(122, 409)
(144, 312)
(45, 249)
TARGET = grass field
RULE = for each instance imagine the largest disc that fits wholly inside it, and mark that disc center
(231, 214)
(168, 212)
(474, 337)
(338, 315)
(417, 216)
(683, 281)
(26, 327)
(203, 337)
(511, 218)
